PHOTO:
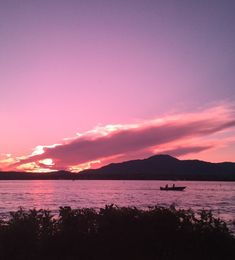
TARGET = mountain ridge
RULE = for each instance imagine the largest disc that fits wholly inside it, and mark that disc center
(156, 167)
(164, 166)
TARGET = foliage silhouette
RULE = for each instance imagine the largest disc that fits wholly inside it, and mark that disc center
(115, 233)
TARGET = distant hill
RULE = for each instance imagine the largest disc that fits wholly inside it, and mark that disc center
(162, 167)
(158, 167)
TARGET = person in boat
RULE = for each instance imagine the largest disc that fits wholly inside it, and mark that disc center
(166, 186)
(173, 186)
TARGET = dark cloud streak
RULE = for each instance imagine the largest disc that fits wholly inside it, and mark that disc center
(128, 141)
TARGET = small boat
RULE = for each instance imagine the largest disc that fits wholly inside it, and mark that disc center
(179, 188)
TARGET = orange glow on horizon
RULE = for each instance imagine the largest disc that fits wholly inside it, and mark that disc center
(83, 166)
(33, 167)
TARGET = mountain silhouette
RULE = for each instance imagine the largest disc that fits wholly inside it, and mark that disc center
(165, 167)
(157, 167)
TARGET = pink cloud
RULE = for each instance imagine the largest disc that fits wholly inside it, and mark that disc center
(183, 150)
(119, 142)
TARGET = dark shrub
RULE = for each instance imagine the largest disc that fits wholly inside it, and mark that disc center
(115, 233)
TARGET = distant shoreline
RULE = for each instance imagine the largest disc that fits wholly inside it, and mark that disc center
(76, 176)
(157, 167)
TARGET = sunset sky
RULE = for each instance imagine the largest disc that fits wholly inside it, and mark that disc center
(84, 83)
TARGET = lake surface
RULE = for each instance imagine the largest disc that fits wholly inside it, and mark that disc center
(51, 194)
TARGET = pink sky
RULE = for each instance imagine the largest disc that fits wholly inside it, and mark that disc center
(158, 74)
(203, 134)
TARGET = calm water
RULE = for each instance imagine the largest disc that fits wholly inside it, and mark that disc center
(217, 196)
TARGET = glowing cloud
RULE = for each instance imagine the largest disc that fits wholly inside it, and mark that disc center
(83, 166)
(47, 162)
(40, 149)
(176, 134)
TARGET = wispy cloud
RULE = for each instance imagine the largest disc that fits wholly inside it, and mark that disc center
(176, 134)
(183, 150)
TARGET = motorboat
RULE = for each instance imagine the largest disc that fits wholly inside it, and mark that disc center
(174, 188)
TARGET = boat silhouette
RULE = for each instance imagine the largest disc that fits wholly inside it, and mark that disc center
(174, 188)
